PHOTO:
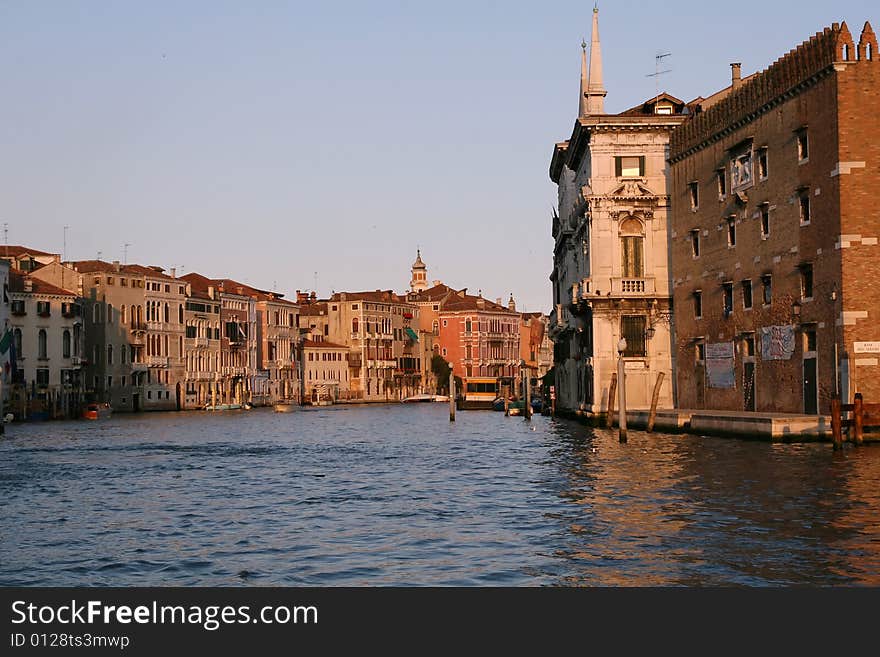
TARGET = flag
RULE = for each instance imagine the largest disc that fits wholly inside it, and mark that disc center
(5, 341)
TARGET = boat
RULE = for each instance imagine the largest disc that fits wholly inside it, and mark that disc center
(478, 393)
(537, 404)
(222, 407)
(284, 406)
(418, 399)
(440, 398)
(96, 411)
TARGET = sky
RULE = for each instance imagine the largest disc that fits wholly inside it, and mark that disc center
(303, 145)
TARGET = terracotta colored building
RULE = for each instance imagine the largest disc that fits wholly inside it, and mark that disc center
(775, 230)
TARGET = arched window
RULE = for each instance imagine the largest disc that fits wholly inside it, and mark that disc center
(140, 315)
(95, 315)
(123, 354)
(355, 325)
(109, 354)
(632, 249)
(435, 327)
(77, 338)
(180, 313)
(167, 314)
(122, 318)
(467, 325)
(16, 337)
(42, 348)
(65, 344)
(109, 313)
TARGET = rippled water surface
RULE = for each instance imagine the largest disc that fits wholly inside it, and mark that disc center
(386, 495)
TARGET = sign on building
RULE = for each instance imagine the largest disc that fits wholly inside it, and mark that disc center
(866, 347)
(720, 365)
(777, 342)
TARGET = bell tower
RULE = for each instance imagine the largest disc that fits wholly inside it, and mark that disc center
(419, 279)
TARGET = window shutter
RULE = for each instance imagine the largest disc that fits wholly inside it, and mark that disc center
(642, 165)
(618, 167)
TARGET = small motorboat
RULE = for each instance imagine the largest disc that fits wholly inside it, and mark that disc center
(97, 411)
(284, 406)
(414, 399)
(222, 407)
(441, 398)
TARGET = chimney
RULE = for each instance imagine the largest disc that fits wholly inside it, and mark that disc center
(437, 282)
(116, 265)
(735, 75)
(211, 291)
(174, 272)
(481, 302)
(28, 284)
(497, 301)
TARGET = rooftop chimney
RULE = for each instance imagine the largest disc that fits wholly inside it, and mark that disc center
(437, 282)
(174, 272)
(735, 75)
(116, 265)
(211, 291)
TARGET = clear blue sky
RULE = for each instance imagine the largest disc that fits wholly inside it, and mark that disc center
(271, 140)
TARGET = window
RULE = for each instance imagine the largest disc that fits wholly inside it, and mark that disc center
(42, 347)
(695, 243)
(804, 206)
(109, 280)
(765, 220)
(741, 168)
(16, 340)
(632, 329)
(748, 346)
(123, 282)
(17, 307)
(632, 249)
(42, 377)
(806, 281)
(109, 354)
(809, 338)
(435, 327)
(700, 352)
(722, 184)
(444, 351)
(354, 306)
(727, 298)
(694, 194)
(803, 145)
(65, 344)
(762, 163)
(731, 231)
(43, 308)
(767, 288)
(629, 166)
(747, 294)
(467, 325)
(355, 325)
(698, 304)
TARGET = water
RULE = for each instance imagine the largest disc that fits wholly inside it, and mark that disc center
(396, 495)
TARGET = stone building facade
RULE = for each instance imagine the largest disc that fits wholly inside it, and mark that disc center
(610, 265)
(775, 233)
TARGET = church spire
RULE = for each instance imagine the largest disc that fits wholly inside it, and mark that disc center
(583, 108)
(595, 95)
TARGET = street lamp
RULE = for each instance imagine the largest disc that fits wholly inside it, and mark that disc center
(621, 388)
(796, 310)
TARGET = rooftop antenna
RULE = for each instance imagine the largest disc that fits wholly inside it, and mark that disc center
(316, 283)
(64, 248)
(6, 236)
(125, 253)
(657, 73)
(99, 256)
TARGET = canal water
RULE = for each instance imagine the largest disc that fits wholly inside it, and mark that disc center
(396, 495)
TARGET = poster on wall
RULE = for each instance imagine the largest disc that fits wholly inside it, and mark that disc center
(777, 342)
(720, 365)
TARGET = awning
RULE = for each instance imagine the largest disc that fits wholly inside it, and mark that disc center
(412, 334)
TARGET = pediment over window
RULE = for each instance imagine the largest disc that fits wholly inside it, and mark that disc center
(631, 189)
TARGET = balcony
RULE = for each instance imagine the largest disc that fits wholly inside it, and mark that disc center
(199, 343)
(157, 361)
(138, 327)
(139, 367)
(632, 286)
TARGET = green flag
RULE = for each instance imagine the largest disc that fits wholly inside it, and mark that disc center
(5, 341)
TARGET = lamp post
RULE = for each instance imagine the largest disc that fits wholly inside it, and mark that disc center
(621, 388)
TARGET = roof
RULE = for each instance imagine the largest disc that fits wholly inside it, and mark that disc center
(313, 344)
(202, 283)
(15, 251)
(385, 296)
(16, 285)
(436, 293)
(95, 266)
(461, 301)
(316, 308)
(647, 108)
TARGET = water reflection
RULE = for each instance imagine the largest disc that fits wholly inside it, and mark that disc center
(398, 495)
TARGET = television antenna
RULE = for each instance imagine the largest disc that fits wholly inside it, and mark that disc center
(658, 59)
(125, 253)
(64, 247)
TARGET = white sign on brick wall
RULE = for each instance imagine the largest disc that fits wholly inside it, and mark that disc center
(866, 347)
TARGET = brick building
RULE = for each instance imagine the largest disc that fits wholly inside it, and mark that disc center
(774, 233)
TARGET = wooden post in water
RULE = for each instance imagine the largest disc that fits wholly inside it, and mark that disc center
(836, 429)
(451, 395)
(621, 388)
(654, 400)
(612, 393)
(858, 418)
(506, 405)
(527, 411)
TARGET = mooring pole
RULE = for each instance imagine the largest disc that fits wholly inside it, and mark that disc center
(621, 387)
(654, 401)
(612, 393)
(836, 428)
(858, 418)
(451, 395)
(527, 411)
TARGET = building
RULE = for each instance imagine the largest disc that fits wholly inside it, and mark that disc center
(7, 351)
(326, 370)
(775, 233)
(535, 345)
(480, 338)
(610, 261)
(134, 332)
(26, 259)
(47, 342)
(201, 345)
